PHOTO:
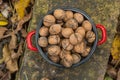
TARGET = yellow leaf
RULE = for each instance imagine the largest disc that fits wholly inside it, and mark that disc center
(11, 65)
(3, 21)
(115, 50)
(20, 7)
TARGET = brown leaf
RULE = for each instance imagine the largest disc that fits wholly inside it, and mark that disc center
(13, 42)
(2, 31)
(118, 75)
(24, 33)
(10, 64)
(1, 73)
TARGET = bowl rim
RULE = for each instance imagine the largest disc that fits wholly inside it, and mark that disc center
(41, 52)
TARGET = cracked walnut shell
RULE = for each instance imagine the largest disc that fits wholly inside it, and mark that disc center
(69, 15)
(76, 58)
(80, 30)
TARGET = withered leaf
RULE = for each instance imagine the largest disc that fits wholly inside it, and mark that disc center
(13, 42)
(2, 31)
(11, 65)
(24, 33)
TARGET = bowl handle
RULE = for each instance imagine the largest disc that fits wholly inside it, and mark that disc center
(104, 34)
(29, 41)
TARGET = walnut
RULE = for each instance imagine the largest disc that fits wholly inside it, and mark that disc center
(75, 38)
(55, 29)
(80, 30)
(87, 25)
(42, 41)
(69, 15)
(53, 39)
(86, 52)
(63, 53)
(90, 36)
(59, 14)
(80, 48)
(76, 58)
(48, 20)
(67, 61)
(66, 44)
(78, 17)
(66, 32)
(54, 50)
(43, 31)
(55, 59)
(72, 23)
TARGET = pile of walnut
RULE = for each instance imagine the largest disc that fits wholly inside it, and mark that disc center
(66, 35)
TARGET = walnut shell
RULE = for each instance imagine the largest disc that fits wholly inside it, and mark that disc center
(55, 59)
(54, 50)
(69, 15)
(53, 39)
(76, 58)
(66, 32)
(59, 14)
(43, 31)
(48, 20)
(80, 48)
(63, 53)
(72, 23)
(67, 61)
(87, 25)
(86, 52)
(42, 41)
(66, 44)
(90, 36)
(55, 29)
(80, 30)
(78, 17)
(75, 38)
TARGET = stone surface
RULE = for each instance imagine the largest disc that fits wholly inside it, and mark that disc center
(34, 67)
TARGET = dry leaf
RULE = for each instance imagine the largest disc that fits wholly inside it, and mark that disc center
(10, 64)
(2, 31)
(24, 33)
(20, 7)
(3, 20)
(115, 50)
(13, 42)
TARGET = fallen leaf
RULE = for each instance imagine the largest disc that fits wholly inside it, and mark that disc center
(3, 20)
(115, 50)
(13, 42)
(118, 75)
(11, 65)
(20, 7)
(24, 33)
(2, 31)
